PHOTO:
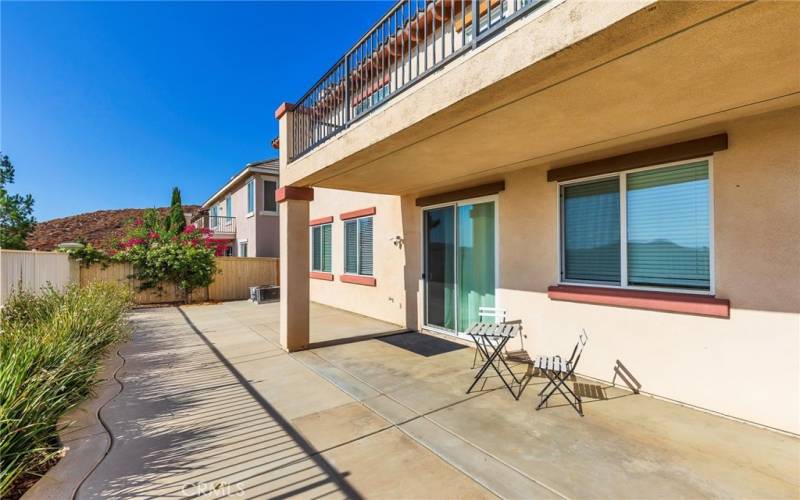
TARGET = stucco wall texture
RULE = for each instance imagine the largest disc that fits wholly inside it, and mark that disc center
(712, 363)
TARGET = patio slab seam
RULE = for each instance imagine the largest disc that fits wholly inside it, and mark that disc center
(425, 417)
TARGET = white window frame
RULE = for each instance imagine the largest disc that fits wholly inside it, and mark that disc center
(277, 207)
(358, 252)
(251, 182)
(247, 245)
(622, 175)
(311, 247)
(229, 206)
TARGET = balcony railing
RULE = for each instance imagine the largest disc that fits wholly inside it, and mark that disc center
(218, 223)
(412, 40)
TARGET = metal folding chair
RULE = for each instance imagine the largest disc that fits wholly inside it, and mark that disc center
(498, 317)
(490, 339)
(558, 372)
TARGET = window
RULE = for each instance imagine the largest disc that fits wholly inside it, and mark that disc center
(213, 217)
(251, 196)
(242, 249)
(269, 196)
(358, 246)
(321, 248)
(228, 251)
(228, 206)
(646, 228)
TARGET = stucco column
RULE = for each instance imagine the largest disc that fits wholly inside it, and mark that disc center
(294, 248)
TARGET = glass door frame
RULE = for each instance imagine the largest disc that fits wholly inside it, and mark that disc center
(424, 258)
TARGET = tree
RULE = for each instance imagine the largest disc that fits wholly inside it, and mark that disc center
(174, 221)
(16, 211)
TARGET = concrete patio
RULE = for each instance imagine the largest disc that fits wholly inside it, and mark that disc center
(211, 405)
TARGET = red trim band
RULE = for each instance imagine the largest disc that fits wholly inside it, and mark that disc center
(358, 213)
(686, 303)
(321, 220)
(294, 193)
(284, 108)
(317, 275)
(358, 280)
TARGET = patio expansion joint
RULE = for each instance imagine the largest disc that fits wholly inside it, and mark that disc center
(425, 416)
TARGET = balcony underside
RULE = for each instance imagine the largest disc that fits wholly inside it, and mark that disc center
(667, 73)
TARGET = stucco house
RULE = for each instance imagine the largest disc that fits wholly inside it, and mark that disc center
(627, 168)
(243, 213)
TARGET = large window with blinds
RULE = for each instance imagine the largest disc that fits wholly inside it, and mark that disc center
(321, 248)
(358, 246)
(645, 228)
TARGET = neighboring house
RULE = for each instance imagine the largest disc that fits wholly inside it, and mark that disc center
(244, 214)
(627, 168)
(101, 228)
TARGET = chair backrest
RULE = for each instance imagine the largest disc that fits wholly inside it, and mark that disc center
(578, 350)
(497, 315)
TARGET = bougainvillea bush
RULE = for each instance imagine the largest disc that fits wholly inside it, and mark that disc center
(157, 254)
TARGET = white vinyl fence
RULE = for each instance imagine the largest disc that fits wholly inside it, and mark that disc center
(34, 270)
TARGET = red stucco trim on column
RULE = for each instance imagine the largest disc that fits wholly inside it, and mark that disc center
(358, 280)
(358, 213)
(284, 108)
(321, 220)
(685, 303)
(320, 276)
(294, 193)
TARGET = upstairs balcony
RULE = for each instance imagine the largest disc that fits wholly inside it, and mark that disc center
(223, 227)
(410, 42)
(448, 94)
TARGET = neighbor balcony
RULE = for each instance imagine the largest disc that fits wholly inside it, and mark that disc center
(221, 226)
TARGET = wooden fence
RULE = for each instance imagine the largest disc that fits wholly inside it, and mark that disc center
(36, 269)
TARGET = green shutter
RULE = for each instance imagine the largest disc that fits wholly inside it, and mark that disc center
(351, 247)
(316, 254)
(591, 231)
(365, 246)
(669, 227)
(325, 231)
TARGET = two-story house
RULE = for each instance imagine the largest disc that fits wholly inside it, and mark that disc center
(627, 168)
(244, 214)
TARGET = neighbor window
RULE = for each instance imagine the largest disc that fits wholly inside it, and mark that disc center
(242, 249)
(646, 228)
(321, 248)
(228, 206)
(251, 196)
(269, 196)
(358, 246)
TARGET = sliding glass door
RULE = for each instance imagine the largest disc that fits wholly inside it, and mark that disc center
(460, 263)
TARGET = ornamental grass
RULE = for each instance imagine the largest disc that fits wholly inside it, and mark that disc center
(51, 347)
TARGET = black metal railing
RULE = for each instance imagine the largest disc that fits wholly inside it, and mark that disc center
(412, 40)
(218, 223)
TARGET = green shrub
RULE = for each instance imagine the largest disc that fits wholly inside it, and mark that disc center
(51, 346)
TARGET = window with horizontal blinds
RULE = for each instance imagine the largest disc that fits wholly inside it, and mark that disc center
(657, 229)
(321, 248)
(351, 246)
(358, 246)
(591, 231)
(669, 227)
(365, 246)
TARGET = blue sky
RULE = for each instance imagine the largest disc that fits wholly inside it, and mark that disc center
(110, 104)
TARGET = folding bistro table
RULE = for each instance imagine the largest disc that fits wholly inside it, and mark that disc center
(491, 339)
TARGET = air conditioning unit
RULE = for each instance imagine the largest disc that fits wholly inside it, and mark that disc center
(264, 293)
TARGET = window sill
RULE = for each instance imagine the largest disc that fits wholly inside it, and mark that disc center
(358, 280)
(250, 214)
(319, 275)
(702, 305)
(267, 212)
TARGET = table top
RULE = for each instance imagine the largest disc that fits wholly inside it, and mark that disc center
(493, 330)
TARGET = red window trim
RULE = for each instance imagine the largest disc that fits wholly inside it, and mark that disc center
(685, 303)
(321, 220)
(358, 280)
(358, 213)
(318, 275)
